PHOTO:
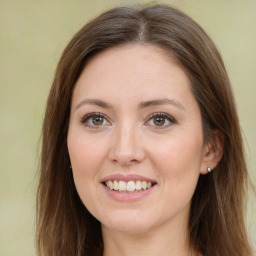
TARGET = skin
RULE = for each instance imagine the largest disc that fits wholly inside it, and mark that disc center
(128, 140)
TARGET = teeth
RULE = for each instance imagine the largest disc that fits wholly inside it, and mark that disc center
(144, 185)
(110, 184)
(122, 185)
(138, 185)
(129, 186)
(116, 186)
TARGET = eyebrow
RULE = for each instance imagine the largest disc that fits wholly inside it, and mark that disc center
(161, 102)
(142, 105)
(96, 102)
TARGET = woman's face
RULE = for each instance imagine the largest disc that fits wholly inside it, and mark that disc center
(135, 139)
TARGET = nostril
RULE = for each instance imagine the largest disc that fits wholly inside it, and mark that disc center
(126, 151)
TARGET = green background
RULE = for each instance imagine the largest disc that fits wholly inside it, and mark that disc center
(32, 37)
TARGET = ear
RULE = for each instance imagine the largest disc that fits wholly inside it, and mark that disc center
(212, 151)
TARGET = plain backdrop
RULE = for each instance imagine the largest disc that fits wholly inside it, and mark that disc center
(33, 35)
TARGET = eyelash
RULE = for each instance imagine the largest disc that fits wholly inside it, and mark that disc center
(161, 115)
(85, 119)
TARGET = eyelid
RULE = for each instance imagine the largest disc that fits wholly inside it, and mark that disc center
(162, 114)
(86, 117)
(93, 114)
(171, 119)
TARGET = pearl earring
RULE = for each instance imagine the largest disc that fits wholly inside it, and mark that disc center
(209, 169)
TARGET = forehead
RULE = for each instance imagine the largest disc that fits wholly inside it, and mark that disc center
(145, 67)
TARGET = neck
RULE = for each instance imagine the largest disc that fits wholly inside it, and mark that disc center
(162, 240)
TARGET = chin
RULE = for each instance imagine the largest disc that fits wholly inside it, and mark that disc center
(128, 228)
(128, 223)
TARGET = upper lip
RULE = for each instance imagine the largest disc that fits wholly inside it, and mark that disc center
(127, 178)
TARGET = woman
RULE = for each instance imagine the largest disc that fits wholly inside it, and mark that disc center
(142, 149)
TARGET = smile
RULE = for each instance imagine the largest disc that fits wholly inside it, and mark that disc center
(129, 186)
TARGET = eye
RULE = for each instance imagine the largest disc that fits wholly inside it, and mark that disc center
(95, 120)
(160, 120)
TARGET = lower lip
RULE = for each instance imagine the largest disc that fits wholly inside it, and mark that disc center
(128, 196)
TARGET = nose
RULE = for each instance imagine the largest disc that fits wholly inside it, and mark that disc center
(126, 148)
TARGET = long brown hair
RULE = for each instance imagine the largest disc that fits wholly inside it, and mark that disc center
(216, 223)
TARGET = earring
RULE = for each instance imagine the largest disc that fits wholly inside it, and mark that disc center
(209, 169)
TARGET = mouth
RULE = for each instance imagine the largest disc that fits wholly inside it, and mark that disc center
(130, 186)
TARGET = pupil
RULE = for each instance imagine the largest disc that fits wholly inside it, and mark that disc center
(159, 121)
(97, 120)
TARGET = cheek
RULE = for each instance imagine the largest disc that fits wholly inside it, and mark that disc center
(179, 165)
(85, 154)
(178, 161)
(178, 151)
(86, 158)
